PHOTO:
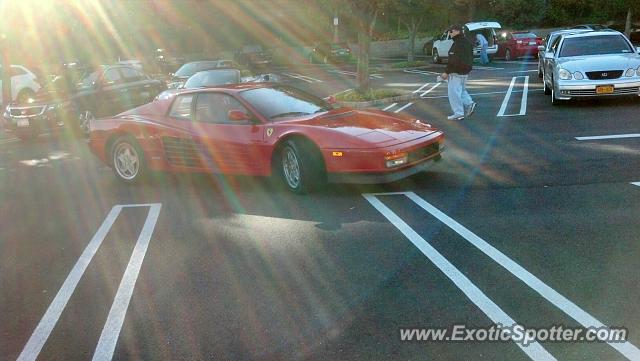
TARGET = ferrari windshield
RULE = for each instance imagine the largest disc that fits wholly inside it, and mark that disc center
(595, 45)
(280, 102)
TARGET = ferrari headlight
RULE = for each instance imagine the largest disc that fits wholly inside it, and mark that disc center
(630, 72)
(578, 75)
(564, 74)
(396, 160)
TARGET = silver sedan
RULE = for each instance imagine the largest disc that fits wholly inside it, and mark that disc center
(597, 63)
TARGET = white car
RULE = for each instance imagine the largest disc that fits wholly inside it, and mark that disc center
(487, 28)
(591, 64)
(546, 45)
(24, 84)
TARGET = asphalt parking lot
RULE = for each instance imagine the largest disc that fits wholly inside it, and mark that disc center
(531, 216)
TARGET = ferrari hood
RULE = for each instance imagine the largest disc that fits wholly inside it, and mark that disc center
(368, 128)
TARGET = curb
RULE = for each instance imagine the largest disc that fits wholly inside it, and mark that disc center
(371, 103)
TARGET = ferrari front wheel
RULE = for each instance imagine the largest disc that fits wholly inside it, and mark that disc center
(128, 160)
(301, 167)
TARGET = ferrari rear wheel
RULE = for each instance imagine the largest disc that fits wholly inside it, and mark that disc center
(128, 160)
(301, 167)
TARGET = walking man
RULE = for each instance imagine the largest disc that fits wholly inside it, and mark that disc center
(483, 43)
(459, 65)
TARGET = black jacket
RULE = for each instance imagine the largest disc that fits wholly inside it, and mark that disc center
(460, 59)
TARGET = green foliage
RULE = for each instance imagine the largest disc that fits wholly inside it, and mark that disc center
(518, 13)
(372, 94)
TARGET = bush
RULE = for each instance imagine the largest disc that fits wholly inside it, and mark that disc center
(372, 94)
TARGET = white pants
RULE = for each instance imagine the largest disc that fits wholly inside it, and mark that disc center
(459, 98)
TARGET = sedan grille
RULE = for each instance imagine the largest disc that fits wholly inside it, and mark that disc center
(181, 151)
(604, 75)
(592, 92)
(26, 111)
(424, 152)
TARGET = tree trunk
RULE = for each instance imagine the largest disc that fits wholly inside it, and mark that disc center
(363, 60)
(413, 29)
(627, 26)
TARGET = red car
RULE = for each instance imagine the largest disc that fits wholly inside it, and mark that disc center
(515, 44)
(262, 129)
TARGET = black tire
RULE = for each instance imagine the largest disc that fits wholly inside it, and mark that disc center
(435, 56)
(507, 55)
(540, 74)
(24, 96)
(127, 160)
(547, 90)
(300, 166)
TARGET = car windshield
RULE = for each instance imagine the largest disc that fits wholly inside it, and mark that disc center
(595, 45)
(213, 78)
(191, 68)
(524, 35)
(280, 102)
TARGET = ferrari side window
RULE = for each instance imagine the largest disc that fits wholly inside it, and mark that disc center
(215, 107)
(181, 107)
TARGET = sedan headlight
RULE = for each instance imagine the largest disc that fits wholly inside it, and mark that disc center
(564, 74)
(578, 75)
(638, 71)
(630, 72)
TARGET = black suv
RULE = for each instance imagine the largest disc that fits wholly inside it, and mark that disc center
(78, 96)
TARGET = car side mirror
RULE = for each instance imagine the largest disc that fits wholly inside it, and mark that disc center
(238, 116)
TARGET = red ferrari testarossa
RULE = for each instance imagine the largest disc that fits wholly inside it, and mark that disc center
(262, 129)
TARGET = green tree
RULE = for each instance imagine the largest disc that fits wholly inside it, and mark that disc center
(412, 14)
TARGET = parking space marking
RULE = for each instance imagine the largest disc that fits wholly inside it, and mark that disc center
(390, 106)
(615, 136)
(535, 351)
(484, 93)
(9, 141)
(111, 330)
(564, 304)
(308, 79)
(344, 72)
(47, 323)
(403, 107)
(523, 101)
(636, 183)
(422, 72)
(525, 71)
(422, 87)
(486, 67)
(430, 89)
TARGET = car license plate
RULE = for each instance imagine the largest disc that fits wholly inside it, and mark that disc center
(604, 89)
(22, 123)
(532, 43)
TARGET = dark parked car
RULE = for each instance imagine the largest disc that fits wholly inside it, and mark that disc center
(76, 98)
(188, 69)
(330, 53)
(253, 56)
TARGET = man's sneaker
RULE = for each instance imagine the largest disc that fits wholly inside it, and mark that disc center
(471, 109)
(455, 117)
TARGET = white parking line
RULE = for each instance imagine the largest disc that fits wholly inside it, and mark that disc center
(423, 72)
(523, 101)
(485, 93)
(51, 316)
(616, 136)
(585, 319)
(535, 351)
(9, 141)
(422, 87)
(111, 330)
(430, 89)
(390, 106)
(344, 72)
(636, 183)
(308, 79)
(403, 107)
(486, 67)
